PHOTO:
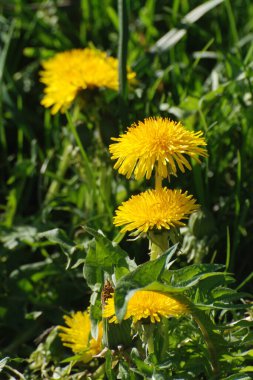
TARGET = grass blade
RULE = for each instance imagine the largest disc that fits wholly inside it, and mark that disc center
(175, 35)
(122, 57)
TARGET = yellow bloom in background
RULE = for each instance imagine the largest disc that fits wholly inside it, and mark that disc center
(155, 209)
(147, 304)
(156, 142)
(69, 72)
(77, 335)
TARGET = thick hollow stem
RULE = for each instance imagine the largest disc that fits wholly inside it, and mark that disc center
(158, 244)
(158, 181)
(148, 337)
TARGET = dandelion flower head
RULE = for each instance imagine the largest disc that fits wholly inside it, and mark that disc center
(155, 209)
(147, 304)
(158, 142)
(76, 335)
(71, 71)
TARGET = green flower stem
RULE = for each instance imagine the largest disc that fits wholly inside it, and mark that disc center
(150, 344)
(158, 181)
(148, 337)
(64, 164)
(80, 146)
(164, 332)
(158, 244)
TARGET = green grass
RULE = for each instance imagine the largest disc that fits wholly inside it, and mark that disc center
(56, 171)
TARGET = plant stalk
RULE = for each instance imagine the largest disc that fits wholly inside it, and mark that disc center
(64, 164)
(158, 181)
(158, 244)
(212, 349)
(122, 57)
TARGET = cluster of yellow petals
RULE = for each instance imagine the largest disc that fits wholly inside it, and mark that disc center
(156, 142)
(147, 304)
(69, 72)
(77, 335)
(155, 209)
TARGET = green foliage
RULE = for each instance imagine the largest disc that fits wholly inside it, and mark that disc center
(193, 63)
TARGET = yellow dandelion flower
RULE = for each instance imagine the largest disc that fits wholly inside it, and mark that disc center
(156, 142)
(155, 209)
(147, 304)
(77, 335)
(69, 72)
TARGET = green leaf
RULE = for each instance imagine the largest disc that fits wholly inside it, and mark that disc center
(240, 323)
(209, 281)
(3, 363)
(190, 274)
(103, 256)
(248, 368)
(199, 276)
(12, 237)
(227, 294)
(5, 49)
(58, 236)
(93, 273)
(143, 368)
(107, 253)
(238, 377)
(95, 313)
(109, 368)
